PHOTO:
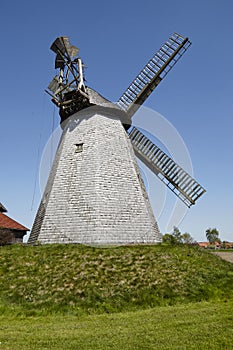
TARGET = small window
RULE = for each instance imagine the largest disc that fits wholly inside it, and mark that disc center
(79, 147)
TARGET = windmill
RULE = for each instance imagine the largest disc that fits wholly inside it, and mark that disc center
(95, 193)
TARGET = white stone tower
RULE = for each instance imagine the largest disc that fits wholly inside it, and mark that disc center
(95, 193)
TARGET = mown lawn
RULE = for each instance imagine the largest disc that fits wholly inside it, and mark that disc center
(204, 325)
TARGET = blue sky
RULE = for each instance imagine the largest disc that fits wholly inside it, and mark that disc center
(116, 39)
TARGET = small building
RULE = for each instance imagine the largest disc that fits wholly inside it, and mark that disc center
(206, 245)
(203, 244)
(10, 230)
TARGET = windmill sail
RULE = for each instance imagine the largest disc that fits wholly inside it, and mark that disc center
(177, 179)
(154, 71)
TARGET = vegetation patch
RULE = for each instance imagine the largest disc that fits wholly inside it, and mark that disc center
(77, 280)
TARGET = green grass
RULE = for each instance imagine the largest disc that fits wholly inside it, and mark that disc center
(191, 326)
(80, 280)
(224, 250)
(137, 297)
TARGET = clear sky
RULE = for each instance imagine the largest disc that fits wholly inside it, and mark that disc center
(116, 39)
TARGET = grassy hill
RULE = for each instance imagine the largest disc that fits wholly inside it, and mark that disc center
(76, 279)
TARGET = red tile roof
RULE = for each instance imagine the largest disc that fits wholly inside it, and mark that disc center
(203, 244)
(207, 244)
(6, 222)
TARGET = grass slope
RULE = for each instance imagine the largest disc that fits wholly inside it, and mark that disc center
(76, 280)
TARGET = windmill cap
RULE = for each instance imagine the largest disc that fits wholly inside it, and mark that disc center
(107, 106)
(97, 104)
